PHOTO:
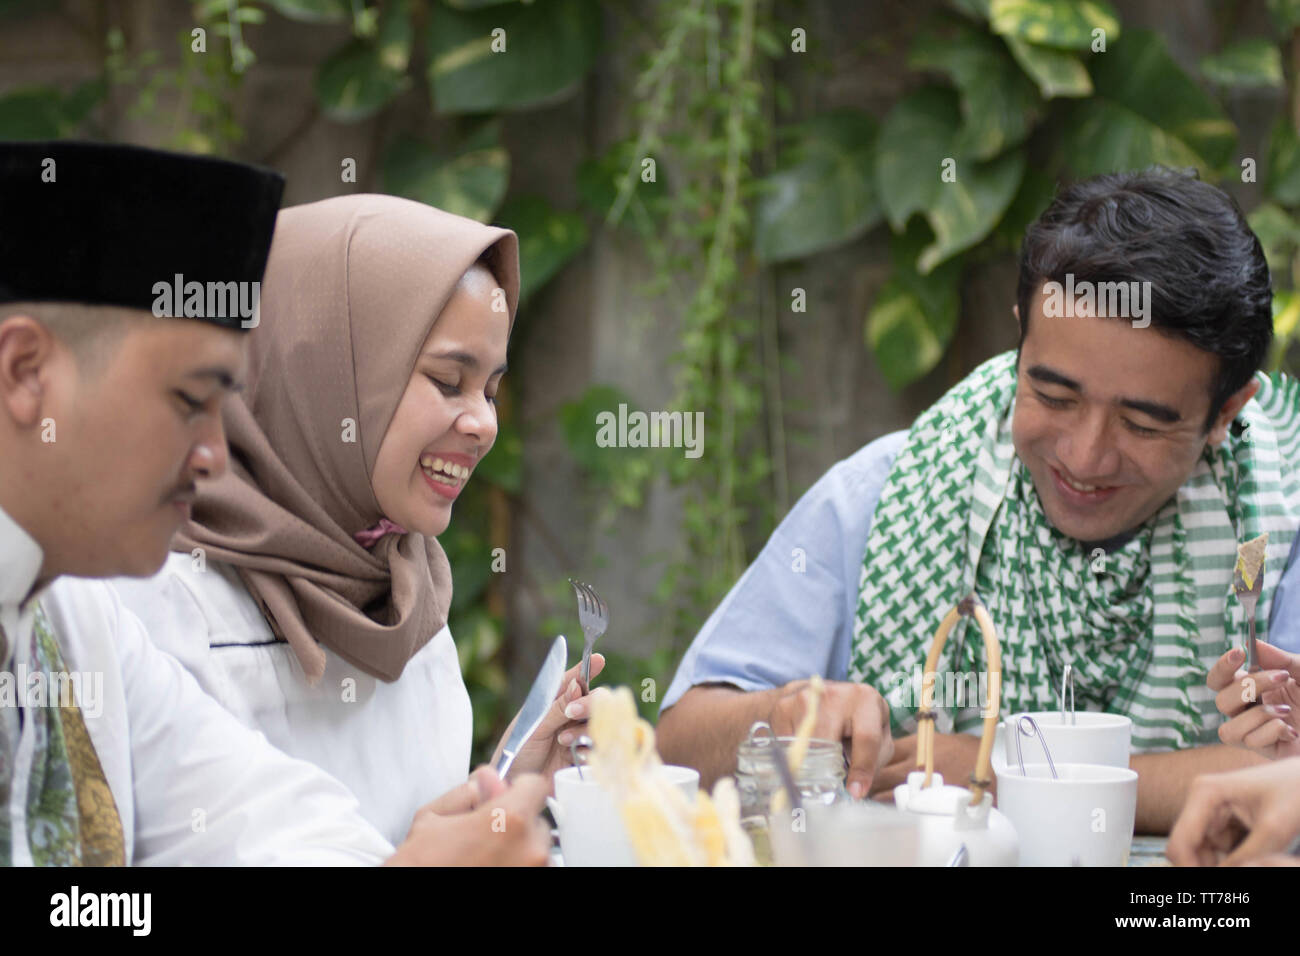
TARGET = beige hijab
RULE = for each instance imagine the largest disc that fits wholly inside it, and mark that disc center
(353, 287)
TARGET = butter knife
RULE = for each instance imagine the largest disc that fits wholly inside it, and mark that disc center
(540, 697)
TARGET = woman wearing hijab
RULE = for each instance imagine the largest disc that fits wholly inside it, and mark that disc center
(308, 593)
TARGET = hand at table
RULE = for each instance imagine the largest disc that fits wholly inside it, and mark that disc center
(483, 822)
(853, 713)
(547, 750)
(954, 757)
(1238, 817)
(1264, 707)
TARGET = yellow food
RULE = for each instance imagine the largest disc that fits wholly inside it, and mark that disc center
(802, 736)
(664, 826)
(1250, 559)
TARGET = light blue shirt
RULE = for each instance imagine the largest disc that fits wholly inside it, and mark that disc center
(780, 624)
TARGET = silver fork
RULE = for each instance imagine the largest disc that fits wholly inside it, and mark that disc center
(593, 615)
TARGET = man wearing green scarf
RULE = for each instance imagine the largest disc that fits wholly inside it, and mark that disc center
(1090, 487)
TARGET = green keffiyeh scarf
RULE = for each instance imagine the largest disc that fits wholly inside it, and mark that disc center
(72, 818)
(1140, 625)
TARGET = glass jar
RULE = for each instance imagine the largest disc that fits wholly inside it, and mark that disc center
(820, 780)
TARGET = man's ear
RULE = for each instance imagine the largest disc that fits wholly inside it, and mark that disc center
(26, 350)
(1235, 403)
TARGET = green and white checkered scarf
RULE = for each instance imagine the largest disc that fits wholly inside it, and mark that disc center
(1140, 625)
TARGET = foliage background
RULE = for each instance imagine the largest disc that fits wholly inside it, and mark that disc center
(796, 268)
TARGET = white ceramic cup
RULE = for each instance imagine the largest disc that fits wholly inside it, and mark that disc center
(591, 827)
(1092, 737)
(1084, 818)
(845, 834)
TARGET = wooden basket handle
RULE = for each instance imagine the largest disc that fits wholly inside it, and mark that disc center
(982, 778)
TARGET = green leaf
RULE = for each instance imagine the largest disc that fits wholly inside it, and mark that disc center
(825, 195)
(1103, 137)
(43, 112)
(998, 104)
(1286, 14)
(578, 425)
(548, 239)
(1056, 72)
(914, 316)
(313, 11)
(395, 35)
(1284, 164)
(915, 139)
(1278, 233)
(354, 83)
(470, 183)
(1059, 23)
(548, 49)
(503, 466)
(1036, 192)
(965, 211)
(1139, 74)
(975, 9)
(1250, 63)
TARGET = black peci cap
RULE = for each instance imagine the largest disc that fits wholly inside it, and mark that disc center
(107, 224)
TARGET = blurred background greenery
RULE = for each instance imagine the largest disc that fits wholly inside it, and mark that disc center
(732, 167)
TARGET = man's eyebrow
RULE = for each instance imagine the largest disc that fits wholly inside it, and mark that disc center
(1047, 376)
(1161, 413)
(1156, 410)
(222, 376)
(466, 359)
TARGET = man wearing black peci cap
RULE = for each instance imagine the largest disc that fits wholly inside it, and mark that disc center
(110, 411)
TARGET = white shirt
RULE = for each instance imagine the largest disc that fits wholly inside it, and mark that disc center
(191, 784)
(395, 745)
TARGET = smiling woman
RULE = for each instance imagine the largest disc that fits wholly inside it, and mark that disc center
(309, 593)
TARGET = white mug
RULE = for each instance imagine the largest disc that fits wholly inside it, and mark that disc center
(1087, 737)
(590, 824)
(1085, 818)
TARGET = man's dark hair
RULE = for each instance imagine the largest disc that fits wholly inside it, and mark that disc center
(1209, 279)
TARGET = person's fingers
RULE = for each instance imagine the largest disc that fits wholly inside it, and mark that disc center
(597, 664)
(1276, 859)
(1200, 817)
(1235, 731)
(579, 708)
(488, 783)
(1264, 738)
(1274, 658)
(889, 777)
(1221, 674)
(1247, 690)
(1269, 834)
(788, 709)
(525, 795)
(865, 734)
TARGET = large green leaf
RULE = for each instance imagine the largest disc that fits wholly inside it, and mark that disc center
(915, 139)
(549, 47)
(314, 11)
(825, 195)
(1103, 137)
(1139, 74)
(1284, 164)
(1060, 23)
(1057, 72)
(1254, 62)
(578, 424)
(998, 104)
(355, 82)
(965, 211)
(470, 183)
(395, 35)
(548, 239)
(1034, 195)
(914, 316)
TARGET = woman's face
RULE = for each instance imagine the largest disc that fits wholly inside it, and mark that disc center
(447, 418)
